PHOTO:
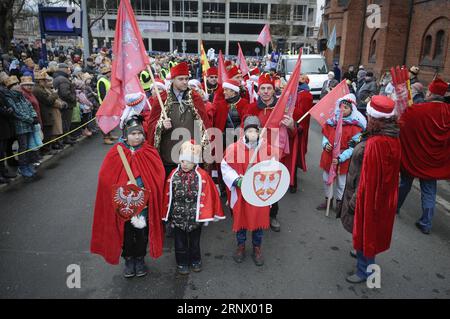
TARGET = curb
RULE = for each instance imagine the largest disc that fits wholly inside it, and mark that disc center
(46, 162)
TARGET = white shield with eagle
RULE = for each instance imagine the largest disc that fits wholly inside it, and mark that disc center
(265, 183)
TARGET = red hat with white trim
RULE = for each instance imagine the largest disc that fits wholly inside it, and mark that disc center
(438, 87)
(232, 85)
(181, 69)
(265, 78)
(381, 107)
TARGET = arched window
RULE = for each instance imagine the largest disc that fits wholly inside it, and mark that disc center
(439, 46)
(434, 43)
(373, 47)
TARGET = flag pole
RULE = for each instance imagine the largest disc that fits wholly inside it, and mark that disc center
(161, 104)
(304, 115)
(329, 200)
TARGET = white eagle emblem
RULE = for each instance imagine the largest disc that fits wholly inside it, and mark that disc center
(130, 201)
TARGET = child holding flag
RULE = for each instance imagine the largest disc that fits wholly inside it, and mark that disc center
(353, 123)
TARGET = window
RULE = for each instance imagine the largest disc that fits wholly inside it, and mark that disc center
(434, 43)
(373, 47)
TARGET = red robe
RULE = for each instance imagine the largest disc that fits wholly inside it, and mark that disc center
(221, 109)
(303, 105)
(348, 131)
(376, 201)
(209, 206)
(108, 228)
(425, 139)
(245, 215)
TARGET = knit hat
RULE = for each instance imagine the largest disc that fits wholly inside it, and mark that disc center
(10, 81)
(331, 73)
(26, 80)
(191, 152)
(438, 87)
(135, 99)
(212, 71)
(414, 70)
(381, 107)
(133, 123)
(232, 85)
(251, 121)
(181, 69)
(265, 78)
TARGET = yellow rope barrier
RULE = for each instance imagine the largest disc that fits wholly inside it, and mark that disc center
(49, 142)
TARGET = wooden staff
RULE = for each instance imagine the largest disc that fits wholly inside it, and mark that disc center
(329, 200)
(161, 104)
(126, 165)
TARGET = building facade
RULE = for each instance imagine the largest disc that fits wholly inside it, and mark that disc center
(220, 24)
(380, 34)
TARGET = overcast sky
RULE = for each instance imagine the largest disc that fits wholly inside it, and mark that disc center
(319, 12)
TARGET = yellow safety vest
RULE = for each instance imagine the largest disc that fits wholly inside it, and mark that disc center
(107, 85)
(163, 73)
(145, 80)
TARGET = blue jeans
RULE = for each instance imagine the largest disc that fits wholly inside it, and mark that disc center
(362, 263)
(257, 237)
(428, 190)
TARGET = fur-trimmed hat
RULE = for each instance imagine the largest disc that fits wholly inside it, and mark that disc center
(181, 69)
(133, 123)
(438, 87)
(232, 85)
(252, 121)
(233, 72)
(265, 78)
(191, 152)
(212, 71)
(381, 107)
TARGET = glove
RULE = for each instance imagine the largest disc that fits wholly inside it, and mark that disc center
(238, 182)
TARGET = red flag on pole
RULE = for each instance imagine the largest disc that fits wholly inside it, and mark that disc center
(221, 70)
(336, 149)
(400, 80)
(241, 60)
(324, 109)
(285, 106)
(129, 59)
(264, 37)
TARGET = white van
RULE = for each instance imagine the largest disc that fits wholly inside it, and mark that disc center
(313, 65)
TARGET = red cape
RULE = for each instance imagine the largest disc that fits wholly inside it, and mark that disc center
(245, 215)
(108, 228)
(376, 201)
(304, 104)
(425, 139)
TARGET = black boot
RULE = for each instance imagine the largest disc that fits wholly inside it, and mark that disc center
(129, 271)
(141, 268)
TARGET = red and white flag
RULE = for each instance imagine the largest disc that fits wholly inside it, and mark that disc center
(324, 109)
(221, 70)
(336, 148)
(241, 61)
(285, 106)
(129, 59)
(264, 37)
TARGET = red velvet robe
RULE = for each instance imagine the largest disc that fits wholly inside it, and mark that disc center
(304, 104)
(221, 109)
(108, 228)
(425, 139)
(376, 201)
(245, 215)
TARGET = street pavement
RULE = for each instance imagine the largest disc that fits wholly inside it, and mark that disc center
(45, 226)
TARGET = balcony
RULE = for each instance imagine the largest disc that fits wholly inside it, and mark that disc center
(248, 15)
(136, 12)
(213, 15)
(187, 14)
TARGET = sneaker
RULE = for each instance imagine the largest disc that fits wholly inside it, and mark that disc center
(423, 229)
(141, 268)
(25, 171)
(257, 256)
(275, 224)
(323, 205)
(355, 279)
(129, 270)
(239, 254)
(197, 267)
(183, 270)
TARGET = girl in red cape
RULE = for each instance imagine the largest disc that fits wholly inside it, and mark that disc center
(376, 200)
(245, 216)
(111, 235)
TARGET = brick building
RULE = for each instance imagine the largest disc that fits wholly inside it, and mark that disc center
(383, 33)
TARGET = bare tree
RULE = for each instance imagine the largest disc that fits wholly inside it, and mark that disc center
(8, 11)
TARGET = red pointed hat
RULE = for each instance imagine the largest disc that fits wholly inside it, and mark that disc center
(233, 72)
(212, 71)
(181, 69)
(227, 63)
(265, 79)
(438, 87)
(381, 107)
(255, 71)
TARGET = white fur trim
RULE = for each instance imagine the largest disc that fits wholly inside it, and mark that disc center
(376, 114)
(230, 86)
(138, 222)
